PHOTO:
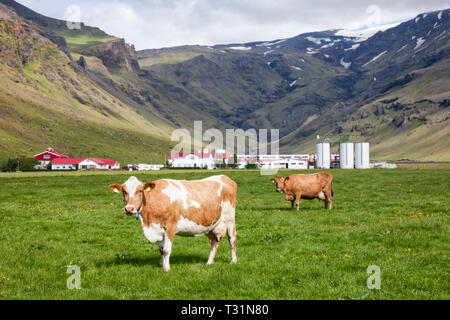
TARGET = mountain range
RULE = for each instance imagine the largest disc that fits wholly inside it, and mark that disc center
(87, 93)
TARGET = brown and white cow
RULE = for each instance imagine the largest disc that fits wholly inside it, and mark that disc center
(187, 208)
(306, 186)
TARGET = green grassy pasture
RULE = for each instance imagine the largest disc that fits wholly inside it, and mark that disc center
(394, 219)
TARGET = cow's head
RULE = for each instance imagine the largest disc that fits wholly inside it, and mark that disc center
(133, 194)
(280, 182)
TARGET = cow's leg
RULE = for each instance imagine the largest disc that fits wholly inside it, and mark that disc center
(292, 204)
(229, 214)
(214, 246)
(231, 232)
(328, 199)
(298, 196)
(165, 247)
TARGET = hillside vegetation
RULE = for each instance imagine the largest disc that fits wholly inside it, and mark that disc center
(102, 98)
(46, 99)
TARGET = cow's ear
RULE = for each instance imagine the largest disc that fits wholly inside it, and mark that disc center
(286, 179)
(273, 180)
(149, 186)
(115, 188)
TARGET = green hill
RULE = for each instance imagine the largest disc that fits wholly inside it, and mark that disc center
(88, 93)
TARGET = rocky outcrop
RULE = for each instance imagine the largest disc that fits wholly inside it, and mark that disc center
(116, 54)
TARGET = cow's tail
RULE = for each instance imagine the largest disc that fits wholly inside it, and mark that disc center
(332, 191)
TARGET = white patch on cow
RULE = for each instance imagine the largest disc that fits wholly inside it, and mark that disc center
(321, 195)
(189, 228)
(154, 233)
(176, 191)
(228, 212)
(217, 179)
(132, 184)
(194, 204)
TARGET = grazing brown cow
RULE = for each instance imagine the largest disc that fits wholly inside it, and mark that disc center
(187, 208)
(307, 186)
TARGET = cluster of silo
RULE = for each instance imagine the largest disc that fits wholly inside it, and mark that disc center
(362, 156)
(323, 151)
(347, 151)
(352, 155)
(355, 155)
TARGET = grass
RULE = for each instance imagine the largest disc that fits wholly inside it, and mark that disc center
(80, 40)
(395, 219)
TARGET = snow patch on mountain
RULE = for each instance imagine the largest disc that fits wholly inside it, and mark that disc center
(318, 40)
(240, 48)
(375, 58)
(270, 44)
(363, 35)
(311, 51)
(296, 68)
(327, 45)
(419, 43)
(402, 48)
(346, 65)
(354, 47)
(441, 36)
(439, 15)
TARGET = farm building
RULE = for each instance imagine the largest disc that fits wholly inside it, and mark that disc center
(211, 160)
(84, 164)
(295, 163)
(203, 159)
(145, 167)
(45, 158)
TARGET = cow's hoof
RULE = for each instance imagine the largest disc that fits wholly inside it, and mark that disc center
(234, 261)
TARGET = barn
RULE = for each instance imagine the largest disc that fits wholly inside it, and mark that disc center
(45, 158)
(69, 164)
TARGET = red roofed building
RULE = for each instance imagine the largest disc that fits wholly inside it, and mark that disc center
(48, 156)
(84, 164)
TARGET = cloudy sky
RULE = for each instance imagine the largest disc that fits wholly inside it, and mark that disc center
(164, 23)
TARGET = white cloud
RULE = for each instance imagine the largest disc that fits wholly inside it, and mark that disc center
(162, 23)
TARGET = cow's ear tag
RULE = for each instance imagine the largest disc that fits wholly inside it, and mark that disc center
(116, 190)
(148, 189)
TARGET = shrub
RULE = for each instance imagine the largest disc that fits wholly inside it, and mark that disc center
(19, 164)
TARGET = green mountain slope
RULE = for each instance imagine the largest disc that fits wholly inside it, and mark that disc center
(47, 100)
(390, 88)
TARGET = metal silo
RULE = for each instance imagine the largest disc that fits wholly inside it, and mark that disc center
(347, 155)
(362, 155)
(323, 156)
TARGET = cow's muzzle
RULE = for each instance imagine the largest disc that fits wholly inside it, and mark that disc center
(130, 210)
